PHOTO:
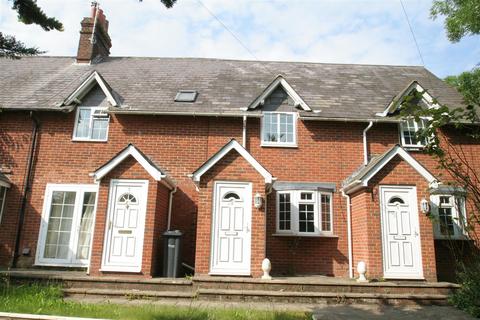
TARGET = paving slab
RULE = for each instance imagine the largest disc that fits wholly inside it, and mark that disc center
(373, 312)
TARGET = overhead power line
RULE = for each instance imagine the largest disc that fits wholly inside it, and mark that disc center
(230, 31)
(413, 33)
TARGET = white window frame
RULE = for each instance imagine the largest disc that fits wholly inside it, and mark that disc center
(295, 201)
(3, 198)
(89, 138)
(279, 143)
(457, 204)
(71, 261)
(403, 124)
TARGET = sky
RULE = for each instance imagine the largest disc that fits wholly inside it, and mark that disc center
(328, 31)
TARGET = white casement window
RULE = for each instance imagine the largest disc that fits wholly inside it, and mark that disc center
(304, 212)
(408, 131)
(91, 124)
(279, 129)
(3, 199)
(450, 217)
(67, 225)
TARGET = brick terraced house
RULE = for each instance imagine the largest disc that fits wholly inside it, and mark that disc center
(305, 164)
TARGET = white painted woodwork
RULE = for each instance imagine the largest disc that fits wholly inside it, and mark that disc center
(402, 256)
(125, 226)
(231, 228)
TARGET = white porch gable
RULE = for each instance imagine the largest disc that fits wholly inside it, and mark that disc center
(143, 160)
(232, 145)
(365, 174)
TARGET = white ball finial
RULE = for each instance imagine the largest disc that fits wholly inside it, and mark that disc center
(362, 269)
(266, 267)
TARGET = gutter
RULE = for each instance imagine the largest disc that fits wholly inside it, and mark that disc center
(26, 188)
(349, 234)
(365, 146)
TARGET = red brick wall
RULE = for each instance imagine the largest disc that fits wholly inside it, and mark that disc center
(15, 139)
(232, 167)
(326, 152)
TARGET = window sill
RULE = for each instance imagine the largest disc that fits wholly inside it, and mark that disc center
(414, 148)
(89, 140)
(305, 235)
(273, 145)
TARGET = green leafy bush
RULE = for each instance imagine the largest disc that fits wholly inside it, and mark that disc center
(467, 298)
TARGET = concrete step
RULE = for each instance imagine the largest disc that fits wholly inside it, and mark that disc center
(129, 294)
(319, 297)
(113, 283)
(324, 285)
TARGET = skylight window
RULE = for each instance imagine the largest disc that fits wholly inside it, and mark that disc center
(186, 96)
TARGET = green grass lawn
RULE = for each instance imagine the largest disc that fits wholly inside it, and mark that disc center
(48, 300)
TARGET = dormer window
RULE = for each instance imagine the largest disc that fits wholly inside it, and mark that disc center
(409, 130)
(279, 129)
(91, 124)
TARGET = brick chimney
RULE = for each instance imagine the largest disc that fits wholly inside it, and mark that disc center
(95, 43)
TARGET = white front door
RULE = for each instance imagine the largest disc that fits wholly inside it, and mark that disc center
(232, 215)
(125, 226)
(402, 256)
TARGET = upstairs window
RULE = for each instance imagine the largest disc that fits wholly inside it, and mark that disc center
(409, 130)
(279, 129)
(304, 212)
(91, 124)
(450, 218)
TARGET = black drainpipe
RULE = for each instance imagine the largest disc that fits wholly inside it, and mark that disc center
(26, 188)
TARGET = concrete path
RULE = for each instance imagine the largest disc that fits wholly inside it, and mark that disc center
(319, 311)
(374, 312)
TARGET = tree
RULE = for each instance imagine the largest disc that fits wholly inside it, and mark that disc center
(30, 13)
(452, 135)
(468, 83)
(462, 17)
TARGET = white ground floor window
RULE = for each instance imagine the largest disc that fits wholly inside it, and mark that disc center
(304, 212)
(67, 225)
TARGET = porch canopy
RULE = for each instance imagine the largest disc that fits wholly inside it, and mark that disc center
(130, 150)
(363, 175)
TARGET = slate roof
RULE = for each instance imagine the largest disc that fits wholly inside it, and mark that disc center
(225, 86)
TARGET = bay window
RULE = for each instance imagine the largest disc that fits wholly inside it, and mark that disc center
(279, 129)
(450, 216)
(304, 212)
(67, 224)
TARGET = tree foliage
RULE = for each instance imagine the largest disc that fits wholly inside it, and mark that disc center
(462, 17)
(468, 83)
(12, 48)
(166, 3)
(30, 13)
